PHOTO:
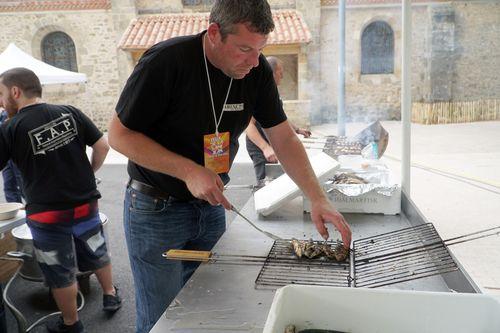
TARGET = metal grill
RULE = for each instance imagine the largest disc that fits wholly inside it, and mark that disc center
(282, 267)
(400, 256)
(340, 145)
(394, 257)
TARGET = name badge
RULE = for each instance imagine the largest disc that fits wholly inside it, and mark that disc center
(234, 107)
(216, 152)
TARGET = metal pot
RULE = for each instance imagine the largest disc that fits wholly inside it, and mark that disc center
(24, 240)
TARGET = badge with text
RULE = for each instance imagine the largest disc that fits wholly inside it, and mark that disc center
(216, 151)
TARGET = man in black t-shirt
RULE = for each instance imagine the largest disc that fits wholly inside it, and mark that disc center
(12, 181)
(257, 144)
(47, 143)
(178, 120)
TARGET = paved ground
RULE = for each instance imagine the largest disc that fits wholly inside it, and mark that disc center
(455, 183)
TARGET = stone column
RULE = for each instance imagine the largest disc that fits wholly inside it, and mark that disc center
(122, 13)
(441, 64)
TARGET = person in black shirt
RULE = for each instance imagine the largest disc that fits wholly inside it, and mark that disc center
(257, 144)
(12, 181)
(47, 143)
(178, 120)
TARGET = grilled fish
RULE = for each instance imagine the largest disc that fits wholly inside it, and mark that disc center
(311, 250)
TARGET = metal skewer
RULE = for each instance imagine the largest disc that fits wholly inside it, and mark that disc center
(268, 234)
(464, 238)
(239, 187)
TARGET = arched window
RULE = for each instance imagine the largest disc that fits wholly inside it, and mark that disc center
(58, 50)
(377, 49)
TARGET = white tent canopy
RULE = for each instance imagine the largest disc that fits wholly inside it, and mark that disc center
(14, 57)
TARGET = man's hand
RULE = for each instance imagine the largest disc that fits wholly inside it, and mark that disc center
(270, 155)
(206, 185)
(303, 132)
(322, 211)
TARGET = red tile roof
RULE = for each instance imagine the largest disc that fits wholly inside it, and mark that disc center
(45, 5)
(145, 31)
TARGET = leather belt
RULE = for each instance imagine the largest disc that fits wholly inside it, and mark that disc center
(147, 189)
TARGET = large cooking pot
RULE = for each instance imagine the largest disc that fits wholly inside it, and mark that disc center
(24, 241)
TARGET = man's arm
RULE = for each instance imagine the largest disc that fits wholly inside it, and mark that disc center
(254, 136)
(99, 152)
(202, 183)
(294, 160)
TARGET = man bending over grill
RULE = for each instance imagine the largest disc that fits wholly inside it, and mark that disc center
(47, 143)
(178, 120)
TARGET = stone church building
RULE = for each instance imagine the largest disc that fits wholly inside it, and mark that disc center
(455, 52)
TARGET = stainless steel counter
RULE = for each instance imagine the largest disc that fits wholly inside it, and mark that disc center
(223, 298)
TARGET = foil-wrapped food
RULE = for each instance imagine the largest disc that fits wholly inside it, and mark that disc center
(311, 249)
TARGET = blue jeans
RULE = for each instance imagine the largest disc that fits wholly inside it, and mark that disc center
(12, 183)
(153, 226)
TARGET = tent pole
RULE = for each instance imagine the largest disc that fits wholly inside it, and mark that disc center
(406, 98)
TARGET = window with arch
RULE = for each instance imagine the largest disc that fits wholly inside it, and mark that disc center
(58, 50)
(377, 49)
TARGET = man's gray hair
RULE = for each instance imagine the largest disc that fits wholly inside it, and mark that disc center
(256, 13)
(273, 62)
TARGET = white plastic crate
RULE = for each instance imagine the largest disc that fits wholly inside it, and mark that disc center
(360, 310)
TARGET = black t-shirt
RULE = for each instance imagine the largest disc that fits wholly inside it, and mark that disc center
(47, 143)
(167, 99)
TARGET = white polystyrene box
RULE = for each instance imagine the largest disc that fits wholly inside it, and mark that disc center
(364, 310)
(371, 202)
(282, 189)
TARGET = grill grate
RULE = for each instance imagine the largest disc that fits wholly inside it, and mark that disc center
(282, 267)
(400, 256)
(341, 145)
(394, 257)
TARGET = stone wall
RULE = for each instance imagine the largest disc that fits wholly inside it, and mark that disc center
(288, 88)
(95, 40)
(298, 112)
(477, 50)
(455, 57)
(174, 6)
(282, 4)
(158, 6)
(368, 97)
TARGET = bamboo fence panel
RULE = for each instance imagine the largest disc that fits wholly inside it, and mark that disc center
(455, 112)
